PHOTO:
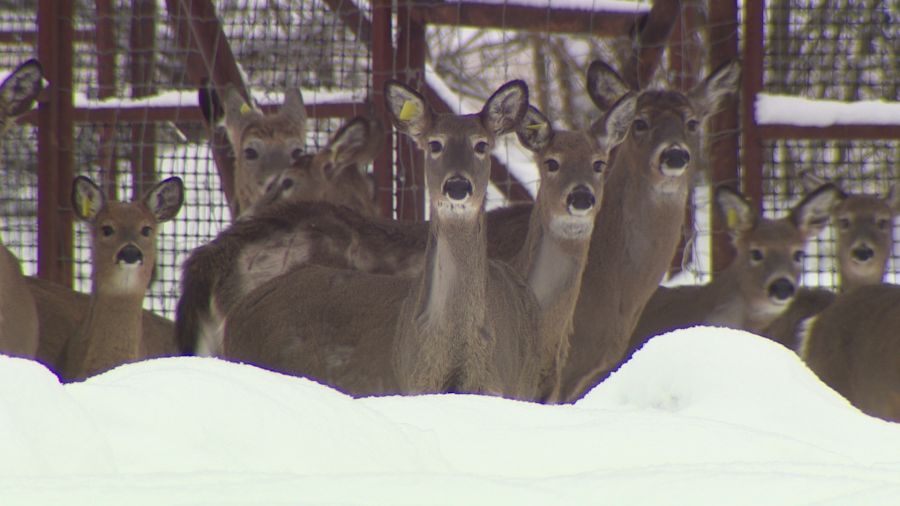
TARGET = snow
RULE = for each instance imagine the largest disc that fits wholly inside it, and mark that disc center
(699, 416)
(586, 5)
(799, 111)
(189, 99)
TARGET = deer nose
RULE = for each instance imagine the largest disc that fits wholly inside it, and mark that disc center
(457, 188)
(674, 158)
(580, 200)
(130, 254)
(781, 289)
(863, 253)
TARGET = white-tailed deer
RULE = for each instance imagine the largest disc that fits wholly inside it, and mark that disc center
(264, 145)
(572, 167)
(123, 238)
(633, 240)
(760, 282)
(640, 222)
(18, 313)
(465, 324)
(267, 241)
(864, 226)
(853, 345)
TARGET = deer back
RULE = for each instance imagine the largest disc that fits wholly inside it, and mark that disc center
(854, 347)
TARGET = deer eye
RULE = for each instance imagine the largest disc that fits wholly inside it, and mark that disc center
(250, 154)
(296, 153)
(756, 255)
(599, 165)
(640, 125)
(107, 230)
(552, 165)
(799, 255)
(693, 125)
(883, 224)
(435, 147)
(481, 148)
(146, 231)
(844, 223)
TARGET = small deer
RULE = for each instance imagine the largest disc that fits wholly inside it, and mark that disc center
(465, 324)
(853, 345)
(572, 169)
(864, 242)
(762, 279)
(641, 218)
(18, 312)
(264, 145)
(265, 242)
(123, 238)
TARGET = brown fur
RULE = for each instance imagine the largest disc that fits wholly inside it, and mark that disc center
(639, 224)
(18, 313)
(854, 347)
(466, 324)
(255, 248)
(741, 295)
(123, 238)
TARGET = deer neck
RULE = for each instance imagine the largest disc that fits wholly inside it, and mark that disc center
(849, 281)
(452, 290)
(553, 263)
(635, 236)
(110, 335)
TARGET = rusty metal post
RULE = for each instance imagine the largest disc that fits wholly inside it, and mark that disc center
(410, 160)
(723, 128)
(142, 63)
(382, 57)
(55, 142)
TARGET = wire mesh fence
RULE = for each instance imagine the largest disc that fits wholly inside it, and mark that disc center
(835, 49)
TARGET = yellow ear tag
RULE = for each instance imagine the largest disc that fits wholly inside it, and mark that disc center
(731, 216)
(536, 126)
(409, 111)
(245, 108)
(86, 205)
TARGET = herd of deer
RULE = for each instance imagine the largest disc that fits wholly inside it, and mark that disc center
(536, 302)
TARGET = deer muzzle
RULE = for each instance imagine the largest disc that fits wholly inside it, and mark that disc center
(781, 290)
(674, 160)
(130, 254)
(457, 188)
(580, 200)
(862, 253)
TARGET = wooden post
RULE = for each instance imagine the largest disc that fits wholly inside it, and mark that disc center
(410, 160)
(382, 57)
(142, 62)
(106, 80)
(55, 142)
(723, 128)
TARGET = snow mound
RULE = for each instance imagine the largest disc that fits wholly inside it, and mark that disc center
(695, 417)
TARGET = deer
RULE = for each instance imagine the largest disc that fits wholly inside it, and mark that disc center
(864, 241)
(18, 310)
(123, 238)
(254, 249)
(760, 282)
(632, 242)
(853, 346)
(465, 324)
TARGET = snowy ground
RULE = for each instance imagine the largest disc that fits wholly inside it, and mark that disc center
(702, 416)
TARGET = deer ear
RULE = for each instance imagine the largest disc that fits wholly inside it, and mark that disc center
(237, 111)
(210, 104)
(293, 107)
(87, 199)
(739, 214)
(811, 214)
(605, 85)
(504, 110)
(535, 131)
(709, 95)
(164, 200)
(892, 199)
(409, 112)
(347, 144)
(617, 121)
(21, 88)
